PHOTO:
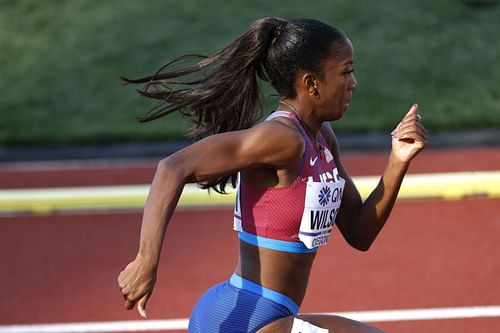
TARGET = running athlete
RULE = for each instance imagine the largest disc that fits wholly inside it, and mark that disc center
(293, 155)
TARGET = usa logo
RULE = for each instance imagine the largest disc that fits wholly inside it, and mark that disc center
(324, 195)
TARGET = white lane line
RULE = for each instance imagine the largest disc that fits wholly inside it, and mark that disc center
(423, 314)
(182, 324)
(94, 327)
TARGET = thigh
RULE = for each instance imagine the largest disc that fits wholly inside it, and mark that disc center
(331, 323)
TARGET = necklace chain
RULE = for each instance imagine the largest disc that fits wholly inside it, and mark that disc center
(303, 124)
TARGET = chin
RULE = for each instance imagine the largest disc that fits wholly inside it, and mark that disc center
(335, 117)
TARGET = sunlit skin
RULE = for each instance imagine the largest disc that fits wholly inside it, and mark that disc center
(325, 99)
(334, 89)
(270, 155)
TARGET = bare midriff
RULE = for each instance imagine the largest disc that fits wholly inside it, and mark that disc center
(284, 272)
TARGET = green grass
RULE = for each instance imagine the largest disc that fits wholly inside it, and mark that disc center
(61, 62)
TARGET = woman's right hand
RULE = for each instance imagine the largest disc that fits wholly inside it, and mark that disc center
(136, 283)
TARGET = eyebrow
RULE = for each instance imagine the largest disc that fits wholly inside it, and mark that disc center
(349, 62)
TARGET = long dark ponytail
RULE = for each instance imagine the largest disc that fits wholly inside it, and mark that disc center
(227, 96)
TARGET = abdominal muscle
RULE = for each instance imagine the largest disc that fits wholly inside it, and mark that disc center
(284, 272)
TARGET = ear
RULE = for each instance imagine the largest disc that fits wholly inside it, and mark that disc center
(310, 84)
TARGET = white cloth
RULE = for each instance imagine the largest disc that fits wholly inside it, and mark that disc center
(321, 206)
(301, 326)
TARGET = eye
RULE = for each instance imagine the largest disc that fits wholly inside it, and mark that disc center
(348, 72)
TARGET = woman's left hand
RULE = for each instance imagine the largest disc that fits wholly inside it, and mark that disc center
(409, 137)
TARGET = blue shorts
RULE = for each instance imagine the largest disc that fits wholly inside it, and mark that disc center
(239, 305)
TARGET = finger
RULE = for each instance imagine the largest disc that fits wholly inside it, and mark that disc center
(395, 132)
(119, 279)
(412, 118)
(123, 289)
(141, 306)
(413, 110)
(410, 137)
(413, 136)
(409, 122)
(129, 305)
(422, 129)
(410, 115)
(412, 127)
(124, 292)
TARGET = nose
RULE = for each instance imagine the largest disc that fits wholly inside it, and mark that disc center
(354, 83)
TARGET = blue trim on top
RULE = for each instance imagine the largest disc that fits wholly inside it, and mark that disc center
(275, 244)
(274, 296)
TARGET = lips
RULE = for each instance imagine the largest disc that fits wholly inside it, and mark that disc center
(346, 104)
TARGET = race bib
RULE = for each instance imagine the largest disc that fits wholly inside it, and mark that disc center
(321, 207)
(237, 210)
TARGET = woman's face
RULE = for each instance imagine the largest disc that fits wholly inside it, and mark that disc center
(336, 87)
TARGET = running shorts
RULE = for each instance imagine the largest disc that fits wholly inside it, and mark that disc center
(239, 306)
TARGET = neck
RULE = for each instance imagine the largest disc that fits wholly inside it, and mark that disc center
(312, 131)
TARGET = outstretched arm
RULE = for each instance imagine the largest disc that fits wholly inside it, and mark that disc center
(360, 222)
(270, 144)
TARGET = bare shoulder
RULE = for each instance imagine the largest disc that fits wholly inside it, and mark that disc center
(279, 128)
(278, 140)
(268, 145)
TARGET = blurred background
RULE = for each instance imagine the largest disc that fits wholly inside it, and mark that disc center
(69, 222)
(62, 62)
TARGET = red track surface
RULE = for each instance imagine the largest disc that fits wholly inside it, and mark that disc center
(90, 174)
(63, 268)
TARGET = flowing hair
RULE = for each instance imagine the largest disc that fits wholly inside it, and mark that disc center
(227, 96)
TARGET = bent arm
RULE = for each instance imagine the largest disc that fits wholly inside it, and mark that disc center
(271, 144)
(360, 222)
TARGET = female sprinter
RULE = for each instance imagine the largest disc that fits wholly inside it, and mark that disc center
(292, 185)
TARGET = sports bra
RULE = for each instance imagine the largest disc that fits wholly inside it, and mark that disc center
(296, 218)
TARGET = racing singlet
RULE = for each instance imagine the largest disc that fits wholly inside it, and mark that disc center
(297, 218)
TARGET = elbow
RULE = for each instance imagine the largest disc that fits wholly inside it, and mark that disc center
(363, 247)
(166, 165)
(360, 243)
(172, 168)
(362, 238)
